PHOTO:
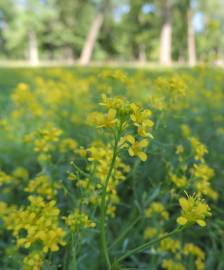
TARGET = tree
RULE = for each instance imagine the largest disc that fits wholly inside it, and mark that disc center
(191, 36)
(93, 32)
(210, 38)
(24, 28)
(7, 13)
(166, 34)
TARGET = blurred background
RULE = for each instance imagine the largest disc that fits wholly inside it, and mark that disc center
(166, 32)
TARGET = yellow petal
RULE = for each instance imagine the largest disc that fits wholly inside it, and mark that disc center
(131, 152)
(181, 220)
(130, 139)
(142, 156)
(111, 114)
(201, 222)
(183, 203)
(133, 118)
(143, 143)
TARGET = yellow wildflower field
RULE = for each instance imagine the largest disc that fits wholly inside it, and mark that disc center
(111, 169)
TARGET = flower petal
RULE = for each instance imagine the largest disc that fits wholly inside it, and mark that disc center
(181, 220)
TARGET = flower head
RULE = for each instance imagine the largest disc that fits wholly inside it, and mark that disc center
(136, 147)
(193, 210)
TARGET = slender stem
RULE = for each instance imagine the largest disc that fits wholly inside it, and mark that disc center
(147, 244)
(103, 204)
(79, 170)
(126, 231)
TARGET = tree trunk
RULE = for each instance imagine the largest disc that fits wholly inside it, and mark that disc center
(191, 39)
(142, 54)
(166, 35)
(91, 39)
(33, 49)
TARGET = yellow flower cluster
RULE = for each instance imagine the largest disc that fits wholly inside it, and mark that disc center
(169, 92)
(157, 215)
(15, 179)
(203, 174)
(191, 249)
(169, 264)
(170, 244)
(41, 185)
(180, 181)
(39, 221)
(124, 116)
(156, 208)
(99, 158)
(188, 250)
(44, 140)
(25, 101)
(5, 178)
(78, 220)
(193, 210)
(198, 148)
(33, 261)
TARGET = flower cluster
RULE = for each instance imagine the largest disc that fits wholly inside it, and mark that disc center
(39, 221)
(193, 210)
(124, 117)
(157, 215)
(77, 220)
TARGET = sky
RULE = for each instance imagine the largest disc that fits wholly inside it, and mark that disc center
(148, 8)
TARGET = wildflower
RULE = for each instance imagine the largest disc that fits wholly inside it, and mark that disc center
(78, 220)
(103, 120)
(68, 144)
(40, 222)
(193, 210)
(141, 120)
(172, 265)
(179, 149)
(186, 131)
(170, 244)
(41, 185)
(178, 181)
(21, 173)
(149, 233)
(191, 249)
(5, 178)
(198, 148)
(156, 208)
(136, 147)
(33, 261)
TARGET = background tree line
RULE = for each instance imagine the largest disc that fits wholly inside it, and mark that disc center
(125, 30)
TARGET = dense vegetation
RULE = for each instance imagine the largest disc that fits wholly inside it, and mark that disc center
(111, 169)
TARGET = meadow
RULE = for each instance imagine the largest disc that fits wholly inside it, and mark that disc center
(110, 169)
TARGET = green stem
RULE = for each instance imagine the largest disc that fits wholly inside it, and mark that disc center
(103, 205)
(125, 232)
(147, 245)
(79, 170)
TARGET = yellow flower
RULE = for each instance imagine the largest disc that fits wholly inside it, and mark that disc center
(33, 261)
(136, 147)
(141, 120)
(198, 148)
(170, 244)
(193, 210)
(179, 181)
(78, 220)
(103, 120)
(172, 265)
(179, 149)
(150, 233)
(156, 208)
